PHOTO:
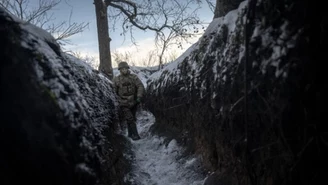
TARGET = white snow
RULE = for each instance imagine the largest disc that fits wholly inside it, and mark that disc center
(279, 46)
(171, 73)
(84, 167)
(158, 162)
(57, 74)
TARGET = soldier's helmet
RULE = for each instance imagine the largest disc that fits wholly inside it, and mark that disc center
(123, 65)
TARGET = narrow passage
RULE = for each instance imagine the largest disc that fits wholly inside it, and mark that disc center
(160, 163)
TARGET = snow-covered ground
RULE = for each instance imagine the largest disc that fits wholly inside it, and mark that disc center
(157, 162)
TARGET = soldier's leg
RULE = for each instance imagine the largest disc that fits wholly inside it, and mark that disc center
(127, 116)
(130, 120)
(122, 120)
(133, 124)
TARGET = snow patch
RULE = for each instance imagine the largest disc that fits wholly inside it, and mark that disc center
(158, 162)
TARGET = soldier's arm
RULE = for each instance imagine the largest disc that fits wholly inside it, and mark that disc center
(140, 87)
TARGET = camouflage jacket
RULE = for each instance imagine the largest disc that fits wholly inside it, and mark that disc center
(128, 87)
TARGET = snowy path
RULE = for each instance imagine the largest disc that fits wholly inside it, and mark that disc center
(157, 163)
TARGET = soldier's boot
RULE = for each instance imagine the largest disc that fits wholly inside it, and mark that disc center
(133, 132)
(123, 126)
(129, 130)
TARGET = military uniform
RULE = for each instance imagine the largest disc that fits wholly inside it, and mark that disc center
(130, 90)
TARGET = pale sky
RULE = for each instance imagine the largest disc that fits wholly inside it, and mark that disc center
(86, 43)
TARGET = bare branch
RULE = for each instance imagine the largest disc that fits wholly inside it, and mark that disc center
(40, 13)
(173, 21)
(40, 17)
(131, 17)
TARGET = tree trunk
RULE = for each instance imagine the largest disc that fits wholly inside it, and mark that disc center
(216, 11)
(160, 66)
(105, 65)
(222, 7)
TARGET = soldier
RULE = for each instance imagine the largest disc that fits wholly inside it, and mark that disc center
(130, 90)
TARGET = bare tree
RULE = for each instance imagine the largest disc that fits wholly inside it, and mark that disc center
(161, 16)
(173, 55)
(125, 56)
(172, 21)
(150, 59)
(42, 17)
(90, 60)
(164, 40)
(105, 60)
